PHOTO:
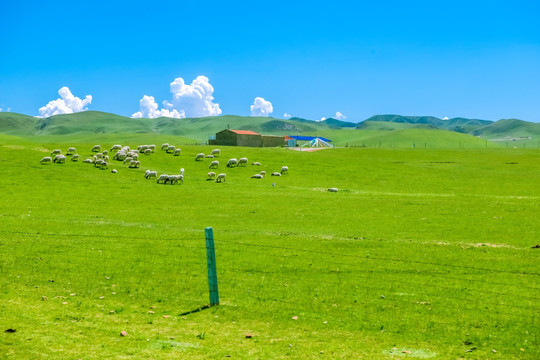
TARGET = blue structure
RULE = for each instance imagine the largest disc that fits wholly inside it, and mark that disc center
(308, 138)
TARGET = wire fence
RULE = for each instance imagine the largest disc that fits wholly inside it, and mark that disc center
(272, 280)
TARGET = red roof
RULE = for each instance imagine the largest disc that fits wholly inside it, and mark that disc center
(245, 132)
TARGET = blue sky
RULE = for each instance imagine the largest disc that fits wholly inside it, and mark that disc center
(476, 59)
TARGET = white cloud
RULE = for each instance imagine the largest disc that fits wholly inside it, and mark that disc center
(322, 119)
(149, 109)
(445, 118)
(339, 116)
(193, 100)
(261, 107)
(287, 116)
(67, 104)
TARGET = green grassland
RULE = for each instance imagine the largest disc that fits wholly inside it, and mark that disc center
(423, 253)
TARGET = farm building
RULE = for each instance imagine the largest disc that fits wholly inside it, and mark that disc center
(245, 138)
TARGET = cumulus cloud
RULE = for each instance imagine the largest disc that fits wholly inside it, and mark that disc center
(287, 116)
(195, 100)
(66, 104)
(261, 107)
(445, 118)
(339, 116)
(322, 119)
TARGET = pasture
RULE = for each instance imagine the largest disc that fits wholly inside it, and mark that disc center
(422, 253)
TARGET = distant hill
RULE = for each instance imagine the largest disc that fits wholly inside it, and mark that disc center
(86, 124)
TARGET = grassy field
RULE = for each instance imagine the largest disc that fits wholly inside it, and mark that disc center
(423, 253)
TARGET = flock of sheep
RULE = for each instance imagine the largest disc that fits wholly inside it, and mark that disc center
(129, 156)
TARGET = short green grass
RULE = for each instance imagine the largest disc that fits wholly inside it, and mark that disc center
(423, 253)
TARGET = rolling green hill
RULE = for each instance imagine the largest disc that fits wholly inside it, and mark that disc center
(392, 130)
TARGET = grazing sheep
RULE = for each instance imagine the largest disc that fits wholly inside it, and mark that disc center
(220, 178)
(211, 175)
(106, 158)
(333, 190)
(214, 164)
(105, 152)
(99, 155)
(257, 176)
(284, 169)
(163, 178)
(71, 151)
(242, 162)
(103, 165)
(152, 147)
(276, 174)
(256, 163)
(56, 152)
(148, 152)
(59, 159)
(215, 152)
(120, 156)
(232, 162)
(170, 149)
(46, 160)
(164, 146)
(175, 179)
(88, 161)
(210, 156)
(177, 152)
(149, 174)
(263, 173)
(128, 159)
(200, 156)
(114, 171)
(75, 157)
(134, 164)
(182, 171)
(116, 147)
(96, 148)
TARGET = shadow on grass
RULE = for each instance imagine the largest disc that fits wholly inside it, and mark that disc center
(208, 306)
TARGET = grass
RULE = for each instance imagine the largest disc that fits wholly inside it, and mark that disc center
(423, 253)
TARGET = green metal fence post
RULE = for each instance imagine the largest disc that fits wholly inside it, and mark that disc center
(211, 262)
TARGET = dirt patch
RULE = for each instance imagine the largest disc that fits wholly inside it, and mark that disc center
(15, 147)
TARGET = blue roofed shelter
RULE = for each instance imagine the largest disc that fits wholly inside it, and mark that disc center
(312, 141)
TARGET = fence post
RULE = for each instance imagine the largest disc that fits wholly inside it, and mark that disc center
(211, 262)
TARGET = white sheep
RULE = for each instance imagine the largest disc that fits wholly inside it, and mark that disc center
(214, 164)
(276, 174)
(333, 189)
(114, 171)
(215, 152)
(243, 161)
(116, 147)
(263, 173)
(120, 156)
(170, 149)
(200, 156)
(182, 171)
(257, 176)
(88, 161)
(210, 156)
(175, 179)
(128, 159)
(177, 152)
(59, 159)
(105, 152)
(221, 177)
(103, 165)
(284, 169)
(163, 178)
(164, 146)
(149, 174)
(256, 163)
(56, 152)
(99, 155)
(211, 175)
(46, 160)
(152, 147)
(96, 148)
(71, 151)
(148, 151)
(106, 158)
(75, 157)
(134, 164)
(232, 162)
